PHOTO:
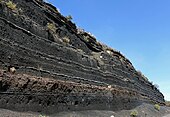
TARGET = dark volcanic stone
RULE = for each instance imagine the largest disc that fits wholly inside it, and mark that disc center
(65, 69)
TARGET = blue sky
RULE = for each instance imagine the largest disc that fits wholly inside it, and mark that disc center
(140, 29)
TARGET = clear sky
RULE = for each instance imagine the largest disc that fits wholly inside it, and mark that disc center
(140, 29)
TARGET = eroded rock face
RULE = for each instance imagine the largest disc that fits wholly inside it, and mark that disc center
(59, 67)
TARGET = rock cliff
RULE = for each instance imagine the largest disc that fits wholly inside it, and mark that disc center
(58, 67)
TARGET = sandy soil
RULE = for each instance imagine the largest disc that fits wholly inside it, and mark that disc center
(144, 110)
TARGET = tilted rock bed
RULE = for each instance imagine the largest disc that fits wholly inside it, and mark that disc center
(64, 68)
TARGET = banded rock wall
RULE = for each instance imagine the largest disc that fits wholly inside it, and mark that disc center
(62, 68)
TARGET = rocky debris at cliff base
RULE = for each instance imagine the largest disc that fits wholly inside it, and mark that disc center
(144, 110)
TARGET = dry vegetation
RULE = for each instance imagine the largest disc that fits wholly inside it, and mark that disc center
(66, 40)
(51, 27)
(157, 107)
(11, 5)
(134, 113)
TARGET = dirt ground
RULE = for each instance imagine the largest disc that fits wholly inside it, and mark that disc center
(144, 110)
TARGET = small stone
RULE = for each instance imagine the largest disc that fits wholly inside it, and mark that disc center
(109, 86)
(12, 70)
(108, 51)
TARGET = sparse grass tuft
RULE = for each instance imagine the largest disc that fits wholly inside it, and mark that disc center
(51, 27)
(69, 17)
(134, 113)
(157, 107)
(11, 5)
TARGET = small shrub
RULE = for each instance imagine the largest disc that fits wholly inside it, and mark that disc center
(69, 17)
(156, 86)
(134, 113)
(51, 27)
(11, 5)
(66, 40)
(87, 39)
(157, 107)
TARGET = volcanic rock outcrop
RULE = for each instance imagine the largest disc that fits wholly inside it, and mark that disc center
(58, 67)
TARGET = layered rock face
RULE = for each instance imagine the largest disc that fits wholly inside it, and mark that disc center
(60, 67)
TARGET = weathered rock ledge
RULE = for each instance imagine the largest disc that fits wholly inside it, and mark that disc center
(59, 67)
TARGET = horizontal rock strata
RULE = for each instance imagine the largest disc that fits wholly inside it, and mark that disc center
(59, 67)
